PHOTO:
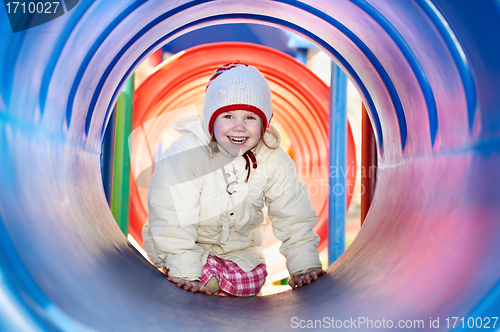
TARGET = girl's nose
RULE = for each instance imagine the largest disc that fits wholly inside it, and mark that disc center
(239, 125)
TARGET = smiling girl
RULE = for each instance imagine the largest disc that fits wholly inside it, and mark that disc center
(206, 226)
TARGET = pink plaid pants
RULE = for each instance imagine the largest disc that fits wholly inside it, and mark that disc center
(233, 281)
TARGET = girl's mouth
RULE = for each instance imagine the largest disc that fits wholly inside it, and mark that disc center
(237, 140)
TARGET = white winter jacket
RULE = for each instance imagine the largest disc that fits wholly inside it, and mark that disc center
(192, 214)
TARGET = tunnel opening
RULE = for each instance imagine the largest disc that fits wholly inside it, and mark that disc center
(301, 99)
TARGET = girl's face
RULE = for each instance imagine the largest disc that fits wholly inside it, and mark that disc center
(237, 131)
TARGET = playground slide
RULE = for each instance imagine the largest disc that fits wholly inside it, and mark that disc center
(428, 72)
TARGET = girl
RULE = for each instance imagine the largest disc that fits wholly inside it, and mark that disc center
(206, 226)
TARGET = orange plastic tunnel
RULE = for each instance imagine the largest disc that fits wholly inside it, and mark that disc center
(301, 103)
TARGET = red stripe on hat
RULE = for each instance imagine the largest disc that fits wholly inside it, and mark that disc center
(237, 107)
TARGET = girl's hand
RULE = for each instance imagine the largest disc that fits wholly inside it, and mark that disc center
(306, 278)
(193, 286)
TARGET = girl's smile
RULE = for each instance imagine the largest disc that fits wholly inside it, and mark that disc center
(237, 140)
(237, 131)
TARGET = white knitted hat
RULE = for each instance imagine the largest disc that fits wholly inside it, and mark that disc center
(237, 86)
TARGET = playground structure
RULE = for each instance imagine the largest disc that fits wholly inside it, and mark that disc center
(428, 73)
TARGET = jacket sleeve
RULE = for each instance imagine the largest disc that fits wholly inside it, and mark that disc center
(171, 232)
(292, 217)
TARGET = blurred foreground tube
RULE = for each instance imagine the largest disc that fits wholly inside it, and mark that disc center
(428, 72)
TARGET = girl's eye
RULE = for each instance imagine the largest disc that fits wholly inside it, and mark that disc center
(227, 116)
(250, 118)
